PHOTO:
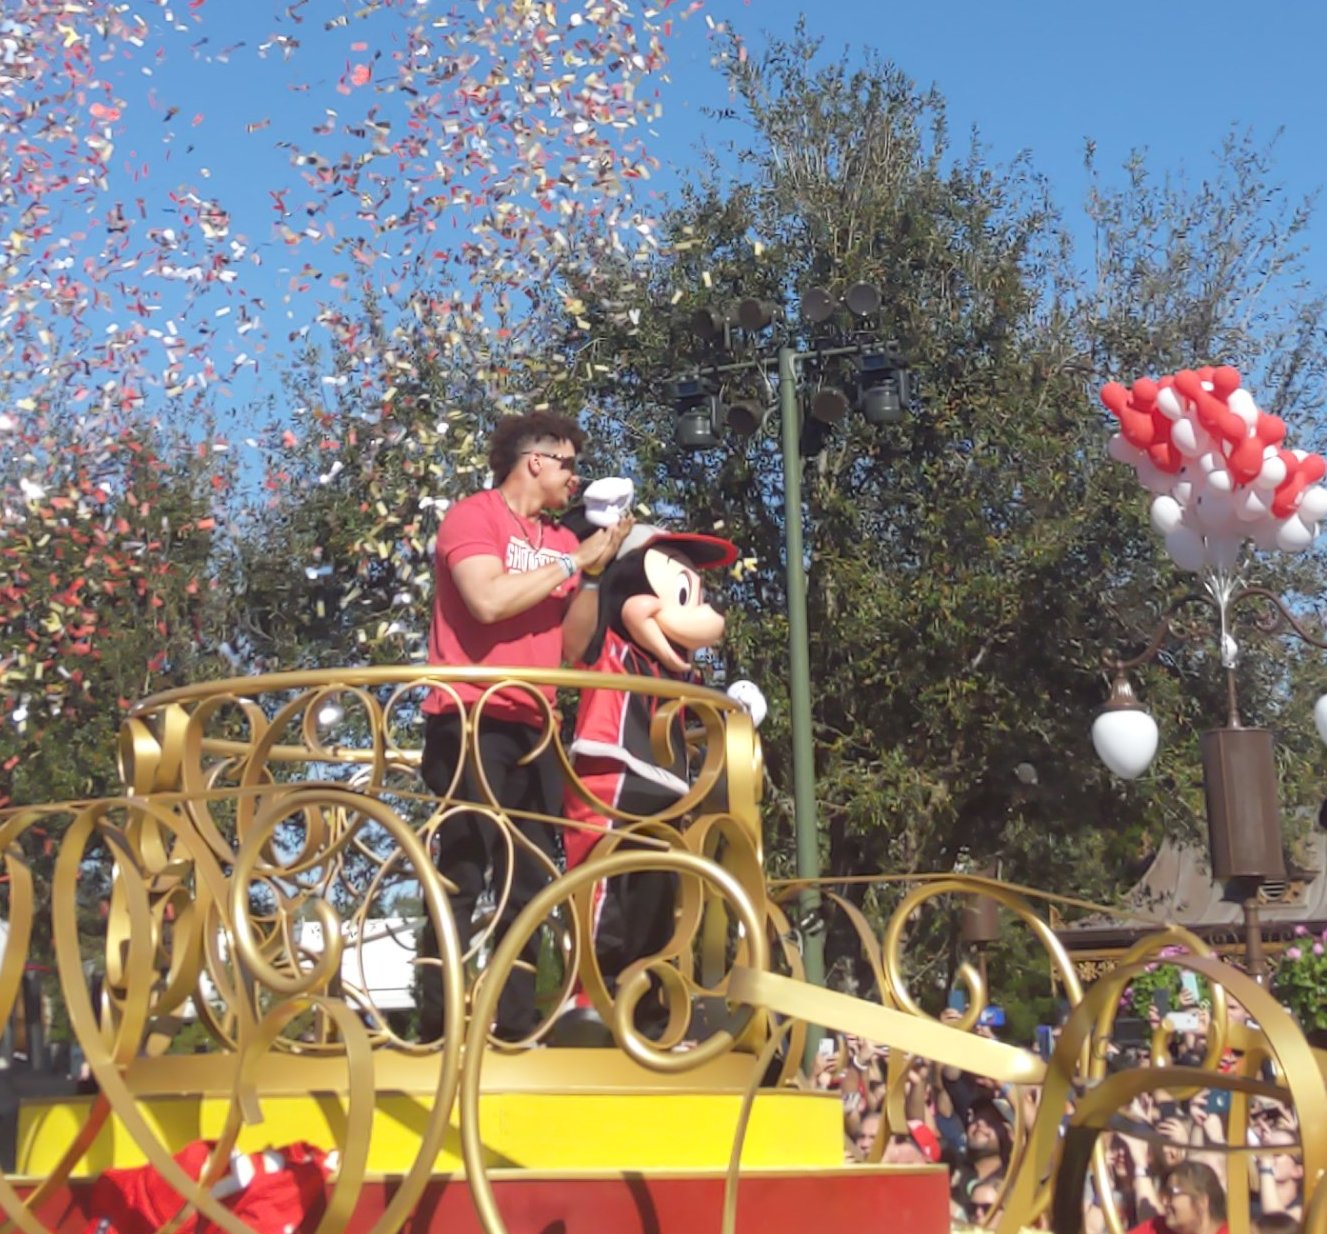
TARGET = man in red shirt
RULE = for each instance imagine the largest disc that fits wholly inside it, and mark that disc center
(508, 593)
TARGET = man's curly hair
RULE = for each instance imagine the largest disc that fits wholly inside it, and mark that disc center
(516, 434)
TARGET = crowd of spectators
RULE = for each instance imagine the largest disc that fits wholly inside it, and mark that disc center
(1167, 1156)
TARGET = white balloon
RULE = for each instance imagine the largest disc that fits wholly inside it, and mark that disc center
(1216, 512)
(1301, 455)
(1294, 536)
(1168, 402)
(1273, 472)
(1251, 505)
(1220, 480)
(1186, 548)
(1242, 404)
(1151, 477)
(1188, 483)
(1190, 439)
(1223, 550)
(1166, 514)
(1122, 450)
(1264, 533)
(1313, 504)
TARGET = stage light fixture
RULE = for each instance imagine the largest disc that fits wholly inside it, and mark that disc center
(882, 386)
(747, 416)
(862, 300)
(817, 306)
(699, 414)
(755, 315)
(829, 405)
(707, 324)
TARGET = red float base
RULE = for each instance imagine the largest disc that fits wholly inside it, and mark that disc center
(835, 1202)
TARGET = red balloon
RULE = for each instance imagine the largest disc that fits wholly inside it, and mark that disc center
(1206, 372)
(1271, 430)
(1225, 381)
(1144, 392)
(1136, 426)
(1247, 458)
(1298, 477)
(1115, 397)
(1213, 414)
(1166, 456)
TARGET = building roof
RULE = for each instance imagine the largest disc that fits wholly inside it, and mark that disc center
(1178, 887)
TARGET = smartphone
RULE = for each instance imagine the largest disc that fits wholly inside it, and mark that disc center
(1218, 1101)
(1189, 981)
(827, 1047)
(991, 1017)
(1184, 1021)
(1161, 1001)
(1045, 1041)
(1172, 1109)
(958, 1001)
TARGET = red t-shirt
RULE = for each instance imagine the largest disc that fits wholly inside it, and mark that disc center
(479, 526)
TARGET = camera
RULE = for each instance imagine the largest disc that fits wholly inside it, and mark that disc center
(991, 1017)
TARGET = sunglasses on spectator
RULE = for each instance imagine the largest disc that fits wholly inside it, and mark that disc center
(1175, 1192)
(567, 461)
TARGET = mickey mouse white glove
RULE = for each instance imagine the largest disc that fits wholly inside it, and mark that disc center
(607, 500)
(748, 696)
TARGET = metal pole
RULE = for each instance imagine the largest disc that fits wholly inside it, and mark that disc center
(799, 676)
(1254, 958)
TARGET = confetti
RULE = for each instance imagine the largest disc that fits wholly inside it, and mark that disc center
(472, 173)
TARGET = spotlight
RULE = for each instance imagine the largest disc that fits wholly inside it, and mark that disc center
(862, 300)
(746, 416)
(829, 405)
(882, 383)
(754, 315)
(699, 414)
(707, 324)
(817, 306)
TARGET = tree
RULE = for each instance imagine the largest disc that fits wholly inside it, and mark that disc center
(966, 569)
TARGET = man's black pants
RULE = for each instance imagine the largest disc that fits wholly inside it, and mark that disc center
(468, 843)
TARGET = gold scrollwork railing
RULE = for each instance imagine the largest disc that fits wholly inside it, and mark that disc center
(254, 806)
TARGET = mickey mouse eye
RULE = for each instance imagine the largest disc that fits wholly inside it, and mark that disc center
(683, 590)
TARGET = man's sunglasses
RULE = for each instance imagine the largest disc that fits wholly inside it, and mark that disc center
(567, 461)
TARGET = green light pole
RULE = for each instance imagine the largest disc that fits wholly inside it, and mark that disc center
(799, 674)
(882, 389)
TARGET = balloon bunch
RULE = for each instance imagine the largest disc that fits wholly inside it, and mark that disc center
(1217, 467)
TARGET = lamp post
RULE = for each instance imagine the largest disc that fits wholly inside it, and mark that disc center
(1239, 769)
(883, 394)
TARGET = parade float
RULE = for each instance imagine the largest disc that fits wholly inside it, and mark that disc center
(243, 815)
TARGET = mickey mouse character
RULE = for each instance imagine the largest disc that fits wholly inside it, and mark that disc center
(653, 618)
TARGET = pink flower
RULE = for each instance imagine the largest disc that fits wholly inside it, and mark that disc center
(1318, 949)
(1300, 931)
(1293, 953)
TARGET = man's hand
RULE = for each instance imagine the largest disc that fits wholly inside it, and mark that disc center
(596, 552)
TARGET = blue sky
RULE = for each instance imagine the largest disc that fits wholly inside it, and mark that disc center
(1033, 76)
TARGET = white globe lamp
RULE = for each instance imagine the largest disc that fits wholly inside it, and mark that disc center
(1124, 735)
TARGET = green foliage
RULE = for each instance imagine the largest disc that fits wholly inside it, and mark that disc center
(1300, 980)
(966, 569)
